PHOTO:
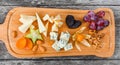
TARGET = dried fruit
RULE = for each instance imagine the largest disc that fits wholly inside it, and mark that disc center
(71, 22)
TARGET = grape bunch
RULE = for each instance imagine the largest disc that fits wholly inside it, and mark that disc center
(96, 20)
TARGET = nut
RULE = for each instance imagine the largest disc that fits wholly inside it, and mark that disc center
(14, 34)
(41, 48)
(35, 48)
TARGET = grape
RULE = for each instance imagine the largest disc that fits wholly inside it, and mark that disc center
(100, 22)
(106, 23)
(92, 25)
(91, 13)
(86, 18)
(100, 14)
(99, 28)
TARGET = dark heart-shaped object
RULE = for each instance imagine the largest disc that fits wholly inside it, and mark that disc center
(71, 22)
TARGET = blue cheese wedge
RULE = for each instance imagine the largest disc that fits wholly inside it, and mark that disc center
(68, 47)
(54, 46)
(53, 36)
(65, 36)
(62, 43)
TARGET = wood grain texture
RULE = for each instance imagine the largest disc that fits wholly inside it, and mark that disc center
(60, 62)
(58, 2)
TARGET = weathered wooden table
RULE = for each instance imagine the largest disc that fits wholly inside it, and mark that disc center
(7, 59)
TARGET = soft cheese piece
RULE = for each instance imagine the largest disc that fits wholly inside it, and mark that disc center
(54, 28)
(69, 46)
(41, 26)
(53, 36)
(58, 17)
(45, 33)
(54, 46)
(46, 17)
(27, 22)
(26, 18)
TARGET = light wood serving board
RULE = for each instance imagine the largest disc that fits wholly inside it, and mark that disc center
(12, 23)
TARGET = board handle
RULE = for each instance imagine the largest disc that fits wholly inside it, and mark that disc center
(3, 31)
(4, 26)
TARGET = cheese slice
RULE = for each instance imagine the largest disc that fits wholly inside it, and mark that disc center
(54, 27)
(45, 33)
(58, 17)
(26, 18)
(41, 26)
(46, 17)
(24, 27)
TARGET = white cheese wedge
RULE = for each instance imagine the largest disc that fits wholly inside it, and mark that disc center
(58, 17)
(53, 36)
(46, 17)
(68, 47)
(27, 22)
(45, 33)
(54, 46)
(41, 26)
(51, 19)
(65, 36)
(58, 23)
(26, 18)
(62, 43)
(54, 28)
(85, 42)
(23, 28)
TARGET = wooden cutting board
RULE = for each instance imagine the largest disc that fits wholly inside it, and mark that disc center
(12, 23)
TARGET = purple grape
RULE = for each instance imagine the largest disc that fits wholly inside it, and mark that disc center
(91, 13)
(100, 22)
(106, 23)
(92, 16)
(86, 18)
(92, 25)
(100, 14)
(99, 28)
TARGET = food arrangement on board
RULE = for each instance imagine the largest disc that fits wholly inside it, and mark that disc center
(58, 32)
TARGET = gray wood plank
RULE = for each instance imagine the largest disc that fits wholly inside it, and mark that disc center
(59, 2)
(61, 62)
(5, 55)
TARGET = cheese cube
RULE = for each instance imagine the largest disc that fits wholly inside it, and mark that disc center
(54, 46)
(69, 46)
(65, 36)
(53, 35)
(62, 43)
